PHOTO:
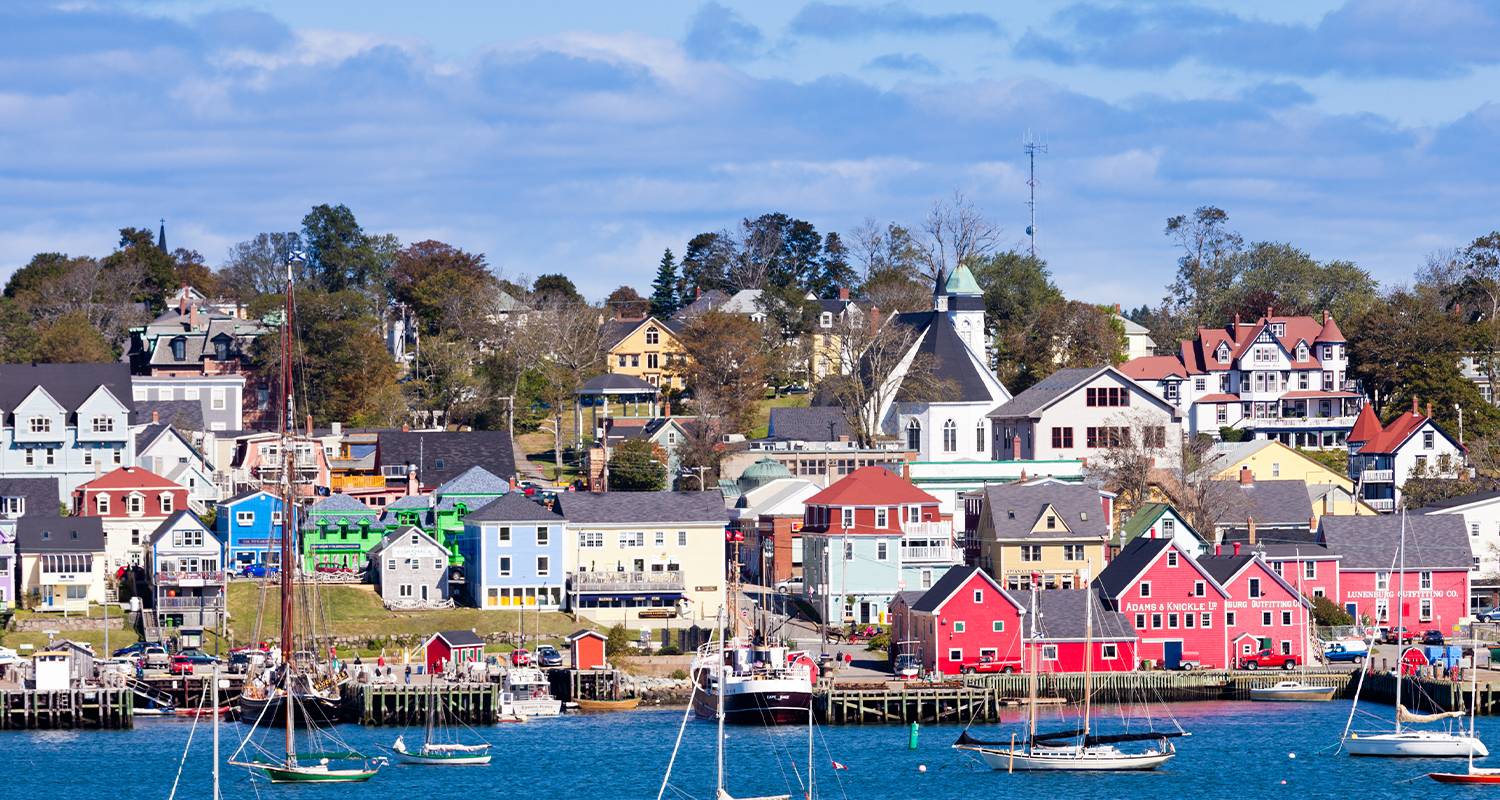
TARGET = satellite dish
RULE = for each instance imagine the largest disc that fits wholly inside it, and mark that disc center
(1030, 230)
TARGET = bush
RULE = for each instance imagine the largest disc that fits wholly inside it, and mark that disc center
(1227, 434)
(678, 674)
(1327, 613)
(879, 641)
(669, 650)
(618, 643)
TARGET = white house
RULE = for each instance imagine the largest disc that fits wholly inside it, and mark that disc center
(1080, 412)
(1279, 377)
(187, 578)
(951, 338)
(162, 449)
(1481, 515)
(1383, 458)
(65, 421)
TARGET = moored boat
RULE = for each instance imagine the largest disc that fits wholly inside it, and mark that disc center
(628, 704)
(1293, 691)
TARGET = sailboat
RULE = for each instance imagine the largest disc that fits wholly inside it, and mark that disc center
(1473, 774)
(1409, 742)
(289, 690)
(1078, 749)
(437, 753)
(1299, 690)
(216, 793)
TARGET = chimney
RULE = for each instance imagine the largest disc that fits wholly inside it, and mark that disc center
(1270, 312)
(1414, 405)
(1015, 446)
(337, 428)
(1218, 549)
(412, 488)
(1247, 478)
(192, 317)
(1325, 316)
(182, 300)
(1236, 548)
(843, 293)
(309, 424)
(874, 319)
(1117, 308)
(1429, 409)
(155, 417)
(697, 292)
(405, 427)
(1236, 320)
(666, 406)
(1250, 524)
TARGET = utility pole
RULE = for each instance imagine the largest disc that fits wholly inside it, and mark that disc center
(1032, 147)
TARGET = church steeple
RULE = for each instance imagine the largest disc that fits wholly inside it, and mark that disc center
(161, 236)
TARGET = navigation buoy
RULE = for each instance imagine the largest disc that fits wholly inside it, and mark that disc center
(921, 768)
(1291, 755)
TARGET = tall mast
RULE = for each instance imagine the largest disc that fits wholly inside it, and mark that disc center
(719, 767)
(1400, 634)
(216, 795)
(285, 426)
(1035, 663)
(1088, 659)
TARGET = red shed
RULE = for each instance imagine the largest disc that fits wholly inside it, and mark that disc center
(965, 617)
(1063, 634)
(446, 648)
(588, 649)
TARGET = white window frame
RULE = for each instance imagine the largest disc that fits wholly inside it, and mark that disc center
(543, 566)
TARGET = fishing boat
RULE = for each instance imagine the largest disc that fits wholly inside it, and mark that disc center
(440, 753)
(627, 704)
(1301, 690)
(1078, 749)
(295, 690)
(530, 693)
(1404, 742)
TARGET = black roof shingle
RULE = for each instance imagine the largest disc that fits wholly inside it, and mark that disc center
(441, 455)
(59, 535)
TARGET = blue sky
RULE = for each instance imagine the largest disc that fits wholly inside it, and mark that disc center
(585, 137)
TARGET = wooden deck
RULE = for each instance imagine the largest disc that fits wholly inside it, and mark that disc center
(97, 708)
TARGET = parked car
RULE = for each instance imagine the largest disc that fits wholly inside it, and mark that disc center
(1268, 659)
(8, 656)
(520, 657)
(789, 586)
(133, 651)
(1341, 653)
(1432, 636)
(258, 571)
(989, 664)
(1488, 615)
(1401, 635)
(187, 662)
(547, 656)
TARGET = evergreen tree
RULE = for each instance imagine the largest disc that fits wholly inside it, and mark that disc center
(705, 264)
(835, 272)
(664, 301)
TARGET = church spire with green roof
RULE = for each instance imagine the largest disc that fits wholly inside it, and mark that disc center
(961, 281)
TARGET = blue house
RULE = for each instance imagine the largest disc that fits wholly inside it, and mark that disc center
(187, 578)
(513, 554)
(250, 523)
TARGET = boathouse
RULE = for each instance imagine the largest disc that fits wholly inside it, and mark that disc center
(965, 618)
(1174, 604)
(447, 648)
(1434, 586)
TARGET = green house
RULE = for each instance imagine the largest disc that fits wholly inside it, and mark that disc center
(469, 491)
(338, 531)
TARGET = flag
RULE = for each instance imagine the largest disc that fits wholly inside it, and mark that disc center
(837, 765)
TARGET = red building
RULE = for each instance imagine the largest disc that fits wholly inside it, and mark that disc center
(1175, 606)
(870, 500)
(445, 649)
(588, 649)
(1434, 584)
(1262, 611)
(965, 617)
(1063, 635)
(132, 502)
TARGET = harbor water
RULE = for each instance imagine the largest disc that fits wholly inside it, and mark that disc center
(1237, 750)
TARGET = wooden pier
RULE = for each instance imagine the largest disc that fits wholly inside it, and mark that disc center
(406, 704)
(96, 708)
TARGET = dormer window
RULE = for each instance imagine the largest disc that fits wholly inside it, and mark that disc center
(1302, 351)
(826, 320)
(1222, 354)
(12, 507)
(101, 504)
(1278, 328)
(135, 504)
(166, 502)
(221, 348)
(40, 424)
(179, 349)
(653, 336)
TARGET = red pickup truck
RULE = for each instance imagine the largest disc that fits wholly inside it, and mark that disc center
(990, 664)
(1268, 659)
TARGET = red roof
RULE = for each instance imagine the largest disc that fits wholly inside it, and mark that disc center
(1330, 332)
(1153, 367)
(1198, 355)
(1366, 425)
(1218, 398)
(1390, 439)
(871, 486)
(129, 478)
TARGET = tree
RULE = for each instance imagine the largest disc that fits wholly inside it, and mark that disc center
(726, 367)
(72, 339)
(1280, 276)
(664, 301)
(1192, 489)
(570, 350)
(888, 249)
(445, 379)
(442, 284)
(835, 272)
(1205, 269)
(701, 453)
(863, 393)
(1134, 447)
(1326, 613)
(1016, 289)
(554, 288)
(627, 303)
(18, 333)
(188, 269)
(894, 291)
(618, 642)
(139, 255)
(705, 264)
(956, 233)
(258, 266)
(106, 293)
(636, 465)
(340, 255)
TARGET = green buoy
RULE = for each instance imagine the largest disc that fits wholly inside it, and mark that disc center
(911, 737)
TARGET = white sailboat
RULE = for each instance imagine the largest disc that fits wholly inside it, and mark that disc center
(1409, 742)
(1077, 749)
(440, 753)
(1300, 690)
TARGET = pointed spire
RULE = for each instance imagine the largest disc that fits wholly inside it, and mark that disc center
(1366, 426)
(161, 236)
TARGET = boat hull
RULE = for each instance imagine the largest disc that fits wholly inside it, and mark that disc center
(272, 711)
(609, 705)
(1297, 694)
(1093, 759)
(314, 775)
(1465, 777)
(465, 760)
(1415, 744)
(753, 707)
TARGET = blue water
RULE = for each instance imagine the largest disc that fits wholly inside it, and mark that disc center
(1238, 750)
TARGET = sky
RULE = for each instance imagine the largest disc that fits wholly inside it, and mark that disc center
(585, 137)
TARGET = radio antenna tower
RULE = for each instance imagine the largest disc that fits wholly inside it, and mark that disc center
(1032, 147)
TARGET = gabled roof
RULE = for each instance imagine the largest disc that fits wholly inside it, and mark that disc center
(170, 523)
(1154, 368)
(1400, 429)
(400, 533)
(953, 580)
(949, 359)
(1436, 505)
(475, 480)
(1143, 519)
(615, 383)
(1137, 557)
(624, 508)
(1062, 615)
(1064, 382)
(513, 507)
(248, 494)
(1015, 509)
(1279, 543)
(410, 501)
(1224, 567)
(52, 534)
(459, 638)
(440, 455)
(69, 384)
(151, 433)
(1433, 541)
(1275, 502)
(184, 414)
(586, 633)
(871, 486)
(812, 424)
(339, 503)
(41, 494)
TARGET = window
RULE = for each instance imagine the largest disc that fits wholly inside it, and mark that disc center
(913, 435)
(950, 437)
(1198, 588)
(1427, 440)
(504, 566)
(166, 502)
(543, 566)
(1265, 619)
(998, 626)
(30, 457)
(134, 504)
(101, 504)
(1187, 619)
(1156, 621)
(1145, 588)
(622, 359)
(1171, 558)
(1221, 413)
(1382, 581)
(404, 590)
(1072, 552)
(682, 538)
(12, 507)
(1031, 552)
(882, 518)
(661, 538)
(652, 361)
(104, 424)
(503, 536)
(881, 551)
(1171, 620)
(1228, 619)
(1140, 622)
(41, 425)
(846, 517)
(88, 456)
(1255, 587)
(848, 551)
(825, 320)
(1222, 354)
(955, 654)
(1426, 609)
(1110, 396)
(653, 336)
(49, 456)
(179, 349)
(1062, 438)
(244, 517)
(958, 627)
(1049, 652)
(1206, 620)
(591, 539)
(1309, 569)
(1286, 618)
(1051, 522)
(1425, 581)
(543, 535)
(217, 401)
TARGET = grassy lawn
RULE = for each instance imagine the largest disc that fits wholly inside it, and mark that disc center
(117, 638)
(537, 445)
(356, 612)
(763, 412)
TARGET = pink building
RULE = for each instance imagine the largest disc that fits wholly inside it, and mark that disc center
(1175, 605)
(1262, 611)
(1434, 584)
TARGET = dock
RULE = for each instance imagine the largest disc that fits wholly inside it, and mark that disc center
(85, 708)
(472, 703)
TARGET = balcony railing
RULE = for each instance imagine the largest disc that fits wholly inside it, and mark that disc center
(211, 602)
(669, 581)
(928, 530)
(942, 554)
(189, 578)
(1378, 475)
(1381, 504)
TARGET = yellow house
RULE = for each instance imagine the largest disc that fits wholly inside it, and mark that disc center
(645, 348)
(1044, 527)
(828, 354)
(1332, 492)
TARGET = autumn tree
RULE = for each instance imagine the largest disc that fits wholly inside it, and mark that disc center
(625, 302)
(257, 266)
(637, 465)
(72, 339)
(726, 367)
(154, 271)
(442, 284)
